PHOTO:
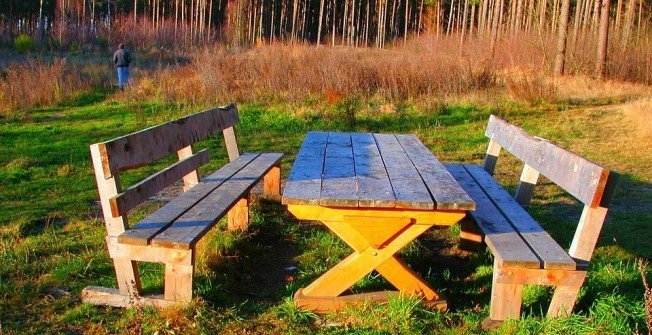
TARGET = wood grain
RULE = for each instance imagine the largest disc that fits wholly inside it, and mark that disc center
(373, 186)
(304, 181)
(136, 194)
(185, 231)
(505, 243)
(585, 180)
(447, 192)
(146, 229)
(151, 144)
(339, 185)
(545, 247)
(409, 189)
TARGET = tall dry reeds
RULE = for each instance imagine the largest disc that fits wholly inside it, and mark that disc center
(37, 83)
(296, 73)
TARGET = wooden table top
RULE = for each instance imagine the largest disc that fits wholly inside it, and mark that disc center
(367, 170)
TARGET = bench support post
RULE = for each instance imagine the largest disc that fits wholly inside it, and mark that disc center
(505, 298)
(126, 273)
(526, 185)
(178, 282)
(238, 216)
(272, 183)
(563, 301)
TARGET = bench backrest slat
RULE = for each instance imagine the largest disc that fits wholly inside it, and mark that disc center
(136, 194)
(151, 144)
(580, 177)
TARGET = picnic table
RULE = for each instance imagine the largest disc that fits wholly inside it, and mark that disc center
(378, 193)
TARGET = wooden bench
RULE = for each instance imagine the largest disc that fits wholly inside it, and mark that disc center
(524, 253)
(171, 233)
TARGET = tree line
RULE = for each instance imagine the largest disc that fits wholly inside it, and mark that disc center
(60, 23)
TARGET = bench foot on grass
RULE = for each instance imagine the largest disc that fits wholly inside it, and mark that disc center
(112, 297)
(489, 324)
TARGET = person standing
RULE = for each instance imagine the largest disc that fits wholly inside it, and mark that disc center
(121, 59)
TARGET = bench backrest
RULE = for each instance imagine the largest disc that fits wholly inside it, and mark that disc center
(150, 145)
(587, 181)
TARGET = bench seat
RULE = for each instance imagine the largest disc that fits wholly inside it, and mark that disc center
(513, 236)
(524, 253)
(170, 234)
(184, 220)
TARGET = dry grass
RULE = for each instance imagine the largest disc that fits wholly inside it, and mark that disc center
(582, 89)
(36, 83)
(639, 113)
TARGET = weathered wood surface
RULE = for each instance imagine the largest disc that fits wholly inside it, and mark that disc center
(304, 181)
(552, 255)
(446, 191)
(372, 171)
(409, 189)
(505, 242)
(136, 194)
(338, 186)
(373, 186)
(146, 229)
(585, 180)
(151, 144)
(185, 231)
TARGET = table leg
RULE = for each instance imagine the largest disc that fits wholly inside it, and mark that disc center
(366, 258)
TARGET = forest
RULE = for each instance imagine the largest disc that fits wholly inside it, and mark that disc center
(77, 24)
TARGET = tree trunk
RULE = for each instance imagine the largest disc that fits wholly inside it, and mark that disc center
(562, 34)
(495, 26)
(603, 40)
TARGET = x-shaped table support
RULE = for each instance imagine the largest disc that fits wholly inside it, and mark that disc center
(375, 236)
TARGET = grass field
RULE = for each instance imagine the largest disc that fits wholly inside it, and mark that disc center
(52, 236)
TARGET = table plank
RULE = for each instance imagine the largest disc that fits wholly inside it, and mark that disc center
(447, 192)
(409, 188)
(374, 188)
(339, 187)
(304, 181)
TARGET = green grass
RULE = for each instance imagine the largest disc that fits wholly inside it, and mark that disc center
(52, 235)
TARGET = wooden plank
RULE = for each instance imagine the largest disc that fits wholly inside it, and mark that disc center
(146, 229)
(178, 282)
(506, 299)
(409, 189)
(151, 144)
(339, 187)
(107, 188)
(447, 192)
(192, 178)
(304, 182)
(580, 177)
(373, 186)
(324, 305)
(136, 194)
(507, 246)
(526, 185)
(546, 248)
(195, 223)
(426, 217)
(112, 297)
(554, 277)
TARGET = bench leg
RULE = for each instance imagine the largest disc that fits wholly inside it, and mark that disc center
(272, 183)
(563, 301)
(238, 216)
(126, 273)
(505, 301)
(470, 235)
(178, 282)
